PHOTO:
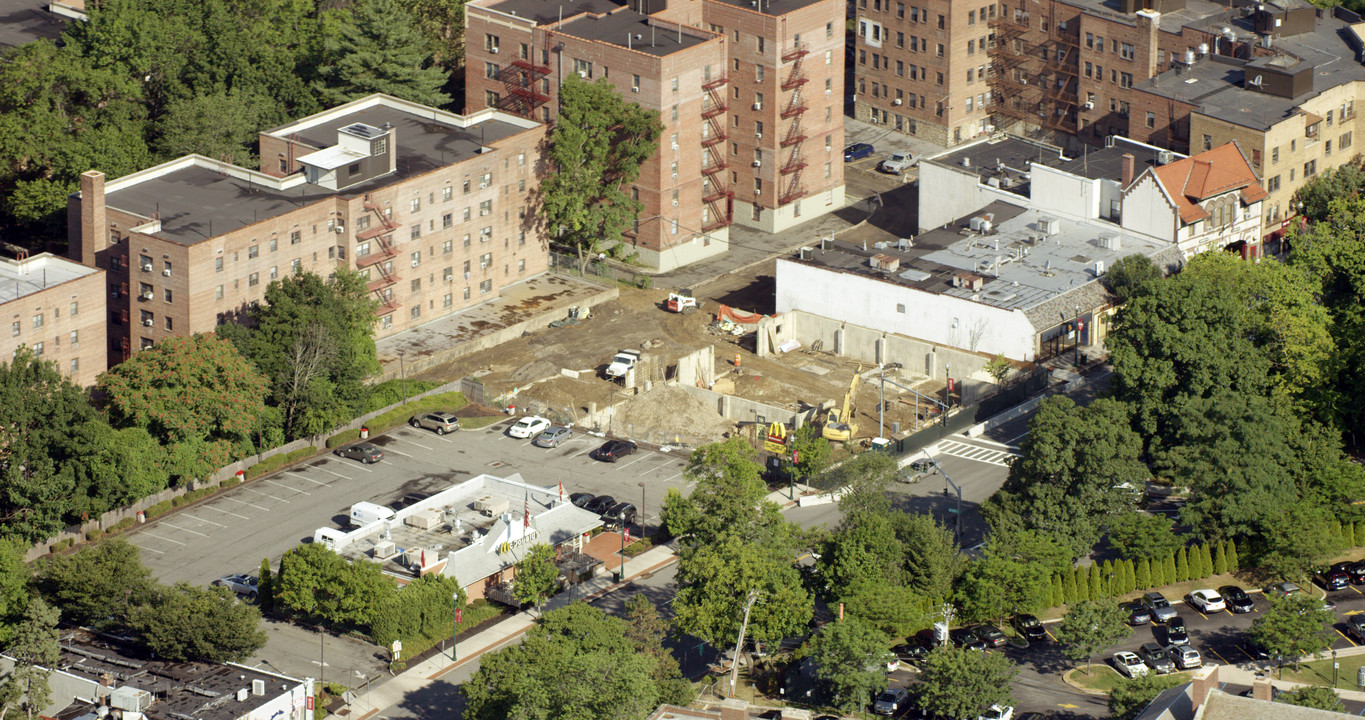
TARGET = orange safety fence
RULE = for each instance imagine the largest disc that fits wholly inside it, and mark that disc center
(739, 316)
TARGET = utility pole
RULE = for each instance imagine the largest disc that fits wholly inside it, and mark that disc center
(743, 628)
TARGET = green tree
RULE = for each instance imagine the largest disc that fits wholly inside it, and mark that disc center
(1182, 565)
(646, 632)
(813, 451)
(97, 584)
(1058, 597)
(596, 150)
(1293, 627)
(577, 662)
(849, 656)
(863, 547)
(313, 339)
(932, 559)
(1206, 560)
(894, 610)
(265, 590)
(441, 22)
(186, 622)
(1168, 570)
(1220, 561)
(223, 126)
(1091, 626)
(1322, 698)
(714, 581)
(421, 611)
(1343, 182)
(1013, 575)
(999, 369)
(1234, 563)
(35, 648)
(1349, 535)
(1132, 695)
(1139, 535)
(316, 583)
(1069, 587)
(375, 47)
(1096, 583)
(1142, 577)
(15, 588)
(536, 576)
(962, 683)
(864, 481)
(729, 497)
(1082, 583)
(1297, 541)
(1072, 475)
(1131, 275)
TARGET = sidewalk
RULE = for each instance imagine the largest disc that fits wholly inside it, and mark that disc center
(1245, 673)
(393, 691)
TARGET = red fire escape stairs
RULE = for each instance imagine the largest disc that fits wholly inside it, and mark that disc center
(794, 139)
(381, 231)
(519, 81)
(719, 198)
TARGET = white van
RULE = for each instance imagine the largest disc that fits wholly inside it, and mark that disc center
(364, 513)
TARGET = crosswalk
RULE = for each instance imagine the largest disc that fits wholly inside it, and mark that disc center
(1001, 456)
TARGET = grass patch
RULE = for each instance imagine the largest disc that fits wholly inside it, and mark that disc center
(275, 462)
(1103, 678)
(1319, 672)
(476, 423)
(478, 612)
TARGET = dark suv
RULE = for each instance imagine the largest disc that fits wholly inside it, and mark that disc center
(613, 450)
(1029, 627)
(1332, 578)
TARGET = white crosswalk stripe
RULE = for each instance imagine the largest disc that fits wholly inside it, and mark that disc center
(974, 452)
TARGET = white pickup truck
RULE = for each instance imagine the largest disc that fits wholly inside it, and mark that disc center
(624, 361)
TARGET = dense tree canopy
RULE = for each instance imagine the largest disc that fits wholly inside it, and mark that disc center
(849, 657)
(960, 683)
(377, 48)
(187, 622)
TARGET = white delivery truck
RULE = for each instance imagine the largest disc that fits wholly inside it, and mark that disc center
(364, 513)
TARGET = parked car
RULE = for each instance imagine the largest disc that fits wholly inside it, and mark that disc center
(990, 634)
(1237, 599)
(997, 712)
(613, 450)
(1254, 648)
(582, 500)
(244, 585)
(1129, 664)
(891, 701)
(529, 426)
(1355, 627)
(858, 151)
(1156, 657)
(1332, 578)
(1185, 657)
(1282, 590)
(965, 638)
(1354, 570)
(1176, 633)
(553, 437)
(1029, 627)
(897, 163)
(622, 513)
(1207, 601)
(910, 652)
(600, 504)
(441, 422)
(1138, 614)
(1159, 606)
(364, 452)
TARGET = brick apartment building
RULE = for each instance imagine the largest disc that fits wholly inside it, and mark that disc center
(55, 307)
(745, 90)
(430, 206)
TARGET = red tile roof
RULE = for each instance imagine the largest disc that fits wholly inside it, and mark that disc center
(1195, 179)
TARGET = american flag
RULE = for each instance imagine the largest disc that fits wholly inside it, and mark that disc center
(526, 517)
(561, 489)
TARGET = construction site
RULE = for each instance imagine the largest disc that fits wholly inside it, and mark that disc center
(718, 363)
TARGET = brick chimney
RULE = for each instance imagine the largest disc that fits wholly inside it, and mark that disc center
(1204, 680)
(1129, 168)
(89, 234)
(1261, 689)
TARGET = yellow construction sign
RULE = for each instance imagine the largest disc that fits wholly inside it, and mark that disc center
(776, 442)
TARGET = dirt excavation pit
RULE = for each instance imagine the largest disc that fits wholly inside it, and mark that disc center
(671, 411)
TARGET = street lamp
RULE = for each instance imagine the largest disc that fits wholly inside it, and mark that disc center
(641, 516)
(402, 371)
(1077, 326)
(611, 414)
(455, 627)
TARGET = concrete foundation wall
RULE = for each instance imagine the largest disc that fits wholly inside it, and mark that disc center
(774, 220)
(738, 409)
(698, 248)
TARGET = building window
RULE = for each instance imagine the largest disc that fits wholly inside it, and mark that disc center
(583, 68)
(1310, 168)
(386, 322)
(1274, 155)
(485, 287)
(166, 295)
(490, 43)
(416, 285)
(295, 237)
(1345, 141)
(1151, 120)
(253, 279)
(414, 232)
(75, 365)
(15, 328)
(37, 348)
(253, 251)
(217, 264)
(1208, 142)
(274, 272)
(170, 324)
(490, 99)
(218, 293)
(37, 321)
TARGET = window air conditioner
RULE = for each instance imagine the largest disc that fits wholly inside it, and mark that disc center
(167, 273)
(758, 163)
(493, 50)
(1089, 106)
(148, 323)
(758, 106)
(483, 186)
(583, 74)
(147, 267)
(146, 296)
(758, 135)
(897, 101)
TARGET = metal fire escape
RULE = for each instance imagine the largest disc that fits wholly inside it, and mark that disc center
(795, 138)
(1035, 75)
(716, 192)
(519, 81)
(381, 258)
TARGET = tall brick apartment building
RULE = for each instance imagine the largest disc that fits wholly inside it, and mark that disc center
(55, 307)
(747, 91)
(429, 205)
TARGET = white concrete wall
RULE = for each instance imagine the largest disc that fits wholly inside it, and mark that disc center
(1053, 190)
(697, 249)
(1147, 210)
(949, 193)
(938, 319)
(772, 221)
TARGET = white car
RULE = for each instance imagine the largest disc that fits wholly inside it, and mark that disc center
(1186, 657)
(997, 712)
(1129, 664)
(529, 426)
(1207, 601)
(897, 163)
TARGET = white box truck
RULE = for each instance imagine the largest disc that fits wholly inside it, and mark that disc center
(364, 513)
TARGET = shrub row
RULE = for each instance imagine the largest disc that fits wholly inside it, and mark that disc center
(1114, 578)
(449, 401)
(275, 462)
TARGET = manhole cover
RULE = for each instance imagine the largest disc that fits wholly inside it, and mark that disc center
(496, 463)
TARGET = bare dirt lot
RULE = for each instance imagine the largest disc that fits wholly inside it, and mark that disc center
(532, 365)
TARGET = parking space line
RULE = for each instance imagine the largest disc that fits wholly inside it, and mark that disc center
(1349, 640)
(585, 452)
(272, 497)
(286, 487)
(1244, 652)
(158, 537)
(158, 552)
(311, 480)
(420, 445)
(202, 520)
(1220, 657)
(243, 502)
(226, 512)
(177, 527)
(670, 477)
(395, 452)
(347, 477)
(632, 462)
(1355, 589)
(1199, 612)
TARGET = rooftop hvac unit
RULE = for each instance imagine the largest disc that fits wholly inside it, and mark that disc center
(1099, 268)
(257, 687)
(384, 549)
(1110, 242)
(130, 699)
(243, 694)
(1048, 226)
(1165, 157)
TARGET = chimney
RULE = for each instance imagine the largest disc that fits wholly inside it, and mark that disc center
(1128, 168)
(90, 233)
(1204, 680)
(1261, 689)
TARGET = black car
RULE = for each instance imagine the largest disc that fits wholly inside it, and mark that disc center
(1029, 627)
(990, 635)
(364, 452)
(1355, 627)
(1138, 614)
(1332, 579)
(1237, 599)
(582, 500)
(1176, 634)
(622, 513)
(965, 638)
(910, 652)
(1354, 570)
(600, 504)
(613, 450)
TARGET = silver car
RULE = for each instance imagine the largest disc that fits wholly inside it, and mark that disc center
(553, 437)
(244, 585)
(1186, 657)
(1159, 606)
(1156, 658)
(441, 422)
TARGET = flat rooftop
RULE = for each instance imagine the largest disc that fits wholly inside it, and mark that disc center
(180, 690)
(548, 11)
(197, 202)
(21, 278)
(769, 7)
(1006, 158)
(26, 21)
(1020, 267)
(1195, 11)
(629, 29)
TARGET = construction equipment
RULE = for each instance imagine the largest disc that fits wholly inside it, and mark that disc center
(839, 425)
(682, 301)
(576, 313)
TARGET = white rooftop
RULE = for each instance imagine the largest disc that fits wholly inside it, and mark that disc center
(19, 278)
(332, 158)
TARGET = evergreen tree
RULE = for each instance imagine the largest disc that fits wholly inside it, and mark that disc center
(1069, 588)
(265, 590)
(1096, 582)
(1182, 566)
(1349, 535)
(1111, 579)
(1058, 592)
(1082, 584)
(1234, 563)
(1129, 582)
(1220, 561)
(1206, 556)
(1336, 530)
(375, 48)
(1168, 571)
(1142, 576)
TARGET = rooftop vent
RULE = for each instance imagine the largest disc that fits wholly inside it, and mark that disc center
(1110, 242)
(884, 262)
(969, 281)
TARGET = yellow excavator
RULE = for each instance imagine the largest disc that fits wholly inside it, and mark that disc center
(839, 425)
